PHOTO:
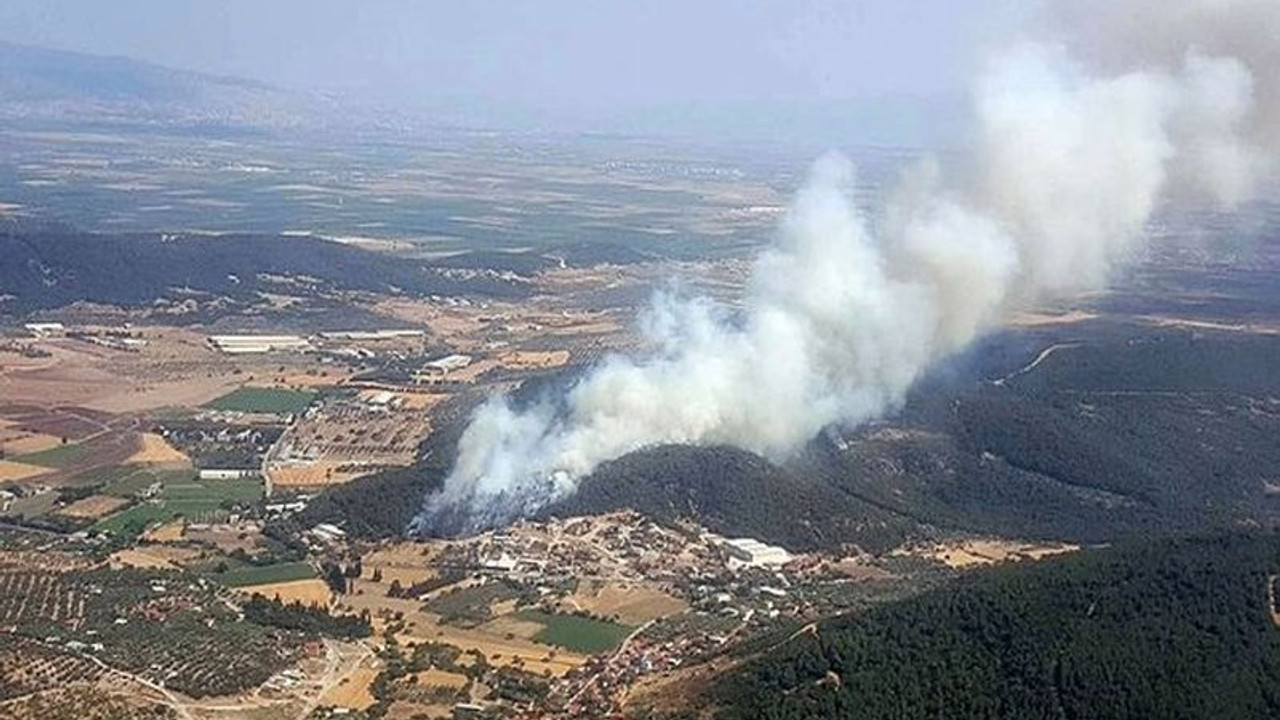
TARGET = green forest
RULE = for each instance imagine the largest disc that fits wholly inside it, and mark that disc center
(1176, 629)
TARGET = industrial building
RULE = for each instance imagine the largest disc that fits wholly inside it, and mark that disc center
(329, 532)
(439, 368)
(246, 344)
(754, 552)
(227, 474)
(44, 330)
(367, 335)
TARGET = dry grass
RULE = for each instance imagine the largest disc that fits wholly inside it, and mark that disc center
(167, 533)
(352, 690)
(138, 558)
(508, 625)
(93, 507)
(20, 442)
(10, 470)
(403, 562)
(534, 360)
(440, 678)
(156, 450)
(317, 474)
(426, 627)
(971, 553)
(331, 378)
(312, 592)
(227, 537)
(632, 605)
(498, 650)
(420, 401)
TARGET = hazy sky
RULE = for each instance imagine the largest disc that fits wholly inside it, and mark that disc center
(566, 54)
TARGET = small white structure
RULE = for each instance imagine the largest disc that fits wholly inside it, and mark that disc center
(441, 367)
(329, 532)
(286, 507)
(246, 344)
(466, 711)
(227, 474)
(44, 330)
(502, 564)
(382, 398)
(753, 552)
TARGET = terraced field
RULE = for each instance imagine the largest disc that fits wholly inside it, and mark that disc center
(27, 666)
(34, 596)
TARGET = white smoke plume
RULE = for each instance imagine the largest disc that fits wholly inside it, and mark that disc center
(842, 314)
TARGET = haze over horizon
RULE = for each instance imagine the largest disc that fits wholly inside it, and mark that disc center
(816, 69)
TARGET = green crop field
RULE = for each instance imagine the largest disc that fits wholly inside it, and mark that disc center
(140, 478)
(54, 457)
(106, 475)
(284, 572)
(181, 497)
(575, 633)
(276, 401)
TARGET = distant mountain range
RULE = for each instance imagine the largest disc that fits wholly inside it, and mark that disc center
(41, 84)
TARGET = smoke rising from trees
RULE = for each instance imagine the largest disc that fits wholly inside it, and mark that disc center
(1079, 138)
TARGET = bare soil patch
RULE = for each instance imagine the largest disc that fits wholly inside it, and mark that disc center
(10, 470)
(630, 605)
(352, 690)
(155, 450)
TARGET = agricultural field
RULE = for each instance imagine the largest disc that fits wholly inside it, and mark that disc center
(352, 691)
(265, 401)
(155, 450)
(59, 456)
(19, 471)
(79, 702)
(577, 634)
(92, 507)
(312, 592)
(28, 666)
(418, 626)
(346, 437)
(248, 577)
(163, 626)
(39, 597)
(16, 441)
(130, 481)
(470, 606)
(192, 500)
(629, 605)
(76, 447)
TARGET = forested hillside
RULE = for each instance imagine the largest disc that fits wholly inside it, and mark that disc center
(1171, 433)
(1048, 454)
(736, 493)
(49, 268)
(1162, 630)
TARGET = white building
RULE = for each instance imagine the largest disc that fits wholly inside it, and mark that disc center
(44, 330)
(439, 368)
(245, 344)
(286, 507)
(503, 564)
(227, 474)
(328, 532)
(753, 552)
(382, 398)
(371, 334)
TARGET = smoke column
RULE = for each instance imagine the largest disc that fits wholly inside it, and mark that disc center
(842, 314)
